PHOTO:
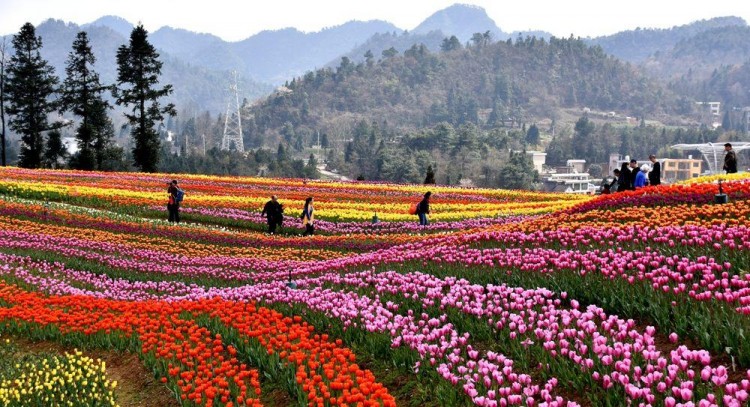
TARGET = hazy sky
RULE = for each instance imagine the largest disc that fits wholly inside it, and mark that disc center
(237, 20)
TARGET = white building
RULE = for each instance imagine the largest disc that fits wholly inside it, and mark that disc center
(576, 165)
(572, 183)
(539, 159)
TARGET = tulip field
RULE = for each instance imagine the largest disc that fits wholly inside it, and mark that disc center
(508, 298)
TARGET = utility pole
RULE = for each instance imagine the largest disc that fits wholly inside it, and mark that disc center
(233, 120)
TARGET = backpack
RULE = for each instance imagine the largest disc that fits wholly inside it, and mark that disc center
(179, 195)
(413, 209)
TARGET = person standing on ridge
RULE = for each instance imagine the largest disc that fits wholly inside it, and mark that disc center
(273, 211)
(173, 205)
(654, 177)
(308, 217)
(423, 209)
(634, 171)
(623, 179)
(730, 159)
(640, 177)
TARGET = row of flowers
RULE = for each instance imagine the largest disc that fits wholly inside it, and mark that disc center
(336, 201)
(664, 241)
(72, 379)
(196, 361)
(611, 350)
(695, 194)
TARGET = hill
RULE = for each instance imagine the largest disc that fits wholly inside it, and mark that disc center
(461, 20)
(486, 83)
(638, 45)
(697, 57)
(115, 23)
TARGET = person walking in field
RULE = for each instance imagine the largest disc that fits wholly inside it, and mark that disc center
(640, 177)
(654, 177)
(274, 213)
(730, 159)
(308, 217)
(173, 205)
(423, 209)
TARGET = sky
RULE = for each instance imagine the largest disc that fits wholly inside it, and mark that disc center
(237, 20)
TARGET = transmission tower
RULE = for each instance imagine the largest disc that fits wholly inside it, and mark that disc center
(233, 121)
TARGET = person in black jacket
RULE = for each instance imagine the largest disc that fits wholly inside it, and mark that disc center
(423, 208)
(623, 179)
(730, 159)
(274, 213)
(654, 177)
(634, 170)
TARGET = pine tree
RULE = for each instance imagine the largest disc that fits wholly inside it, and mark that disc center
(430, 177)
(30, 83)
(107, 155)
(82, 95)
(55, 150)
(311, 168)
(3, 63)
(532, 135)
(138, 70)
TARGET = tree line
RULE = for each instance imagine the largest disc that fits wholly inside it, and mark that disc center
(30, 92)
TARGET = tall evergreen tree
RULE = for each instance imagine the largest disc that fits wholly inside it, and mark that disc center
(2, 99)
(582, 138)
(107, 155)
(31, 82)
(82, 95)
(532, 135)
(430, 177)
(138, 70)
(55, 150)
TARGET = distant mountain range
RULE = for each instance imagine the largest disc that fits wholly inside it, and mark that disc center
(198, 65)
(638, 45)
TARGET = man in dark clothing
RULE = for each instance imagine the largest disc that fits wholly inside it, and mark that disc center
(654, 177)
(173, 206)
(634, 170)
(423, 208)
(274, 213)
(623, 179)
(730, 159)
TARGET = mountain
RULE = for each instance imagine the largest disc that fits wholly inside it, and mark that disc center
(702, 54)
(276, 56)
(487, 84)
(638, 45)
(195, 88)
(269, 56)
(114, 23)
(201, 50)
(461, 20)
